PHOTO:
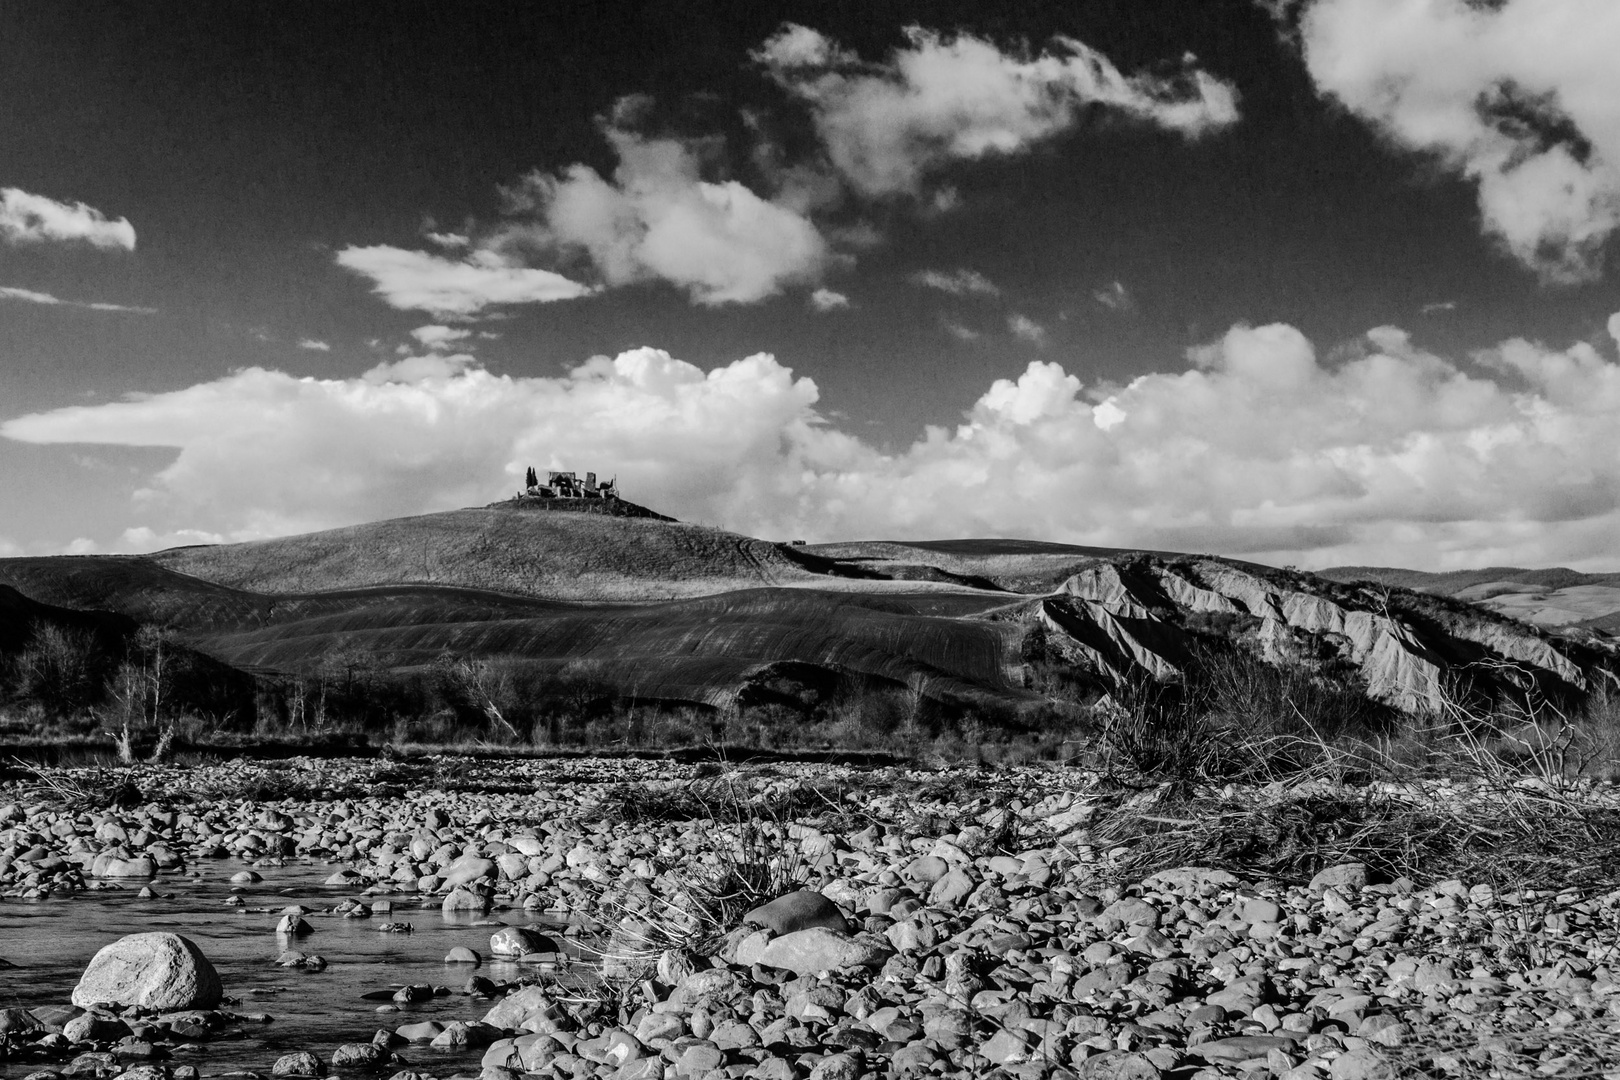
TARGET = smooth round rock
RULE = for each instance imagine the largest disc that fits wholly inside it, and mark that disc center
(155, 971)
(799, 910)
(511, 942)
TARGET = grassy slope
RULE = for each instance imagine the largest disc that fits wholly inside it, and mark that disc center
(693, 649)
(1015, 565)
(561, 556)
(670, 610)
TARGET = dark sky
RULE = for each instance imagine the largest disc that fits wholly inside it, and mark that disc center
(249, 143)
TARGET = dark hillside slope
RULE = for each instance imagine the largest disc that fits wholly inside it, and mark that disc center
(700, 650)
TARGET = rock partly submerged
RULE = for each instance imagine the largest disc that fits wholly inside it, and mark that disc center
(153, 971)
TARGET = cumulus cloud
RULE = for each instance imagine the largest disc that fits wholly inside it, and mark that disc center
(29, 296)
(827, 300)
(1522, 97)
(422, 281)
(35, 219)
(960, 282)
(658, 219)
(938, 99)
(1259, 448)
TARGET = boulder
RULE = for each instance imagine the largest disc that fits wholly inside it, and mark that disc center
(511, 942)
(465, 870)
(798, 911)
(806, 952)
(1352, 875)
(465, 899)
(155, 971)
(107, 865)
(299, 1063)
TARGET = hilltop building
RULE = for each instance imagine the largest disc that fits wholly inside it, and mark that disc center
(568, 485)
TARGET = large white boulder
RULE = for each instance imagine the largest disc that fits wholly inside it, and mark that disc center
(155, 971)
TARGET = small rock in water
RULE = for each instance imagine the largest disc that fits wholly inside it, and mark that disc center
(293, 926)
(300, 1063)
(463, 955)
(515, 941)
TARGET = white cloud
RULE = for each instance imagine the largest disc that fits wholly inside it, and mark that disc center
(1522, 97)
(439, 338)
(1027, 329)
(29, 296)
(35, 219)
(1438, 307)
(1115, 297)
(449, 240)
(828, 300)
(887, 126)
(313, 345)
(1397, 457)
(657, 219)
(141, 538)
(959, 331)
(421, 281)
(956, 282)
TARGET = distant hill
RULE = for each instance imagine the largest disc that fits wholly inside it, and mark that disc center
(565, 556)
(1555, 597)
(650, 609)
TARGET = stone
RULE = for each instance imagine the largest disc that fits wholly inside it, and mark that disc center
(359, 1056)
(1189, 880)
(1352, 875)
(1238, 1048)
(300, 1063)
(514, 1010)
(465, 870)
(154, 971)
(19, 1022)
(93, 1027)
(511, 942)
(464, 899)
(1119, 1065)
(463, 955)
(293, 926)
(1362, 1063)
(107, 865)
(806, 952)
(844, 1066)
(796, 911)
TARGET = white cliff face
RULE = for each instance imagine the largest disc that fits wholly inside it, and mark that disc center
(1103, 616)
(1104, 585)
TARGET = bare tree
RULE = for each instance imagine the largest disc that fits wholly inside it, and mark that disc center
(486, 684)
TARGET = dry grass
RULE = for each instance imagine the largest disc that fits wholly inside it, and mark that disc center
(1459, 811)
(754, 863)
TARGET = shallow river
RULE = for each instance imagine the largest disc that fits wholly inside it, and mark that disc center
(51, 941)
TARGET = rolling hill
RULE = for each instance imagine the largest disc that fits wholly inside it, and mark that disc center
(657, 610)
(1554, 597)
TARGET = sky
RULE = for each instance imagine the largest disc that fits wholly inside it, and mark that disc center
(1310, 282)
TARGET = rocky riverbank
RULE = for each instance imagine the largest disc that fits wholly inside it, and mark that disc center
(962, 924)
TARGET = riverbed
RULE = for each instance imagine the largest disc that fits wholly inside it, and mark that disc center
(50, 941)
